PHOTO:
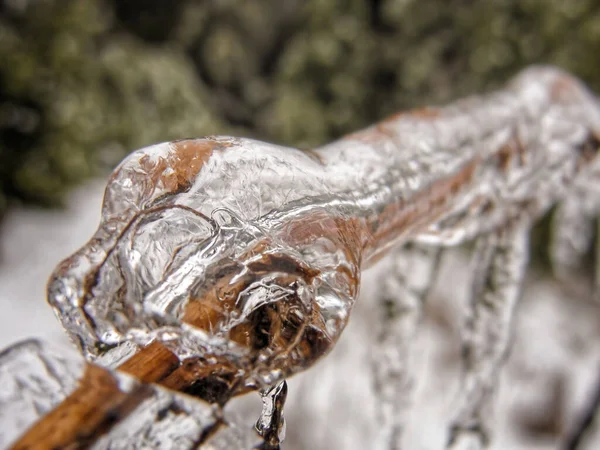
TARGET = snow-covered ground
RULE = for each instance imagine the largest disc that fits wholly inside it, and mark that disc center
(32, 242)
(555, 356)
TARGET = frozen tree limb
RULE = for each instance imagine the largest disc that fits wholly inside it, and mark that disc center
(224, 265)
(400, 301)
(499, 265)
(574, 231)
(42, 384)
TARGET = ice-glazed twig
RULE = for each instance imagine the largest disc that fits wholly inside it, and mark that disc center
(202, 240)
(400, 301)
(239, 261)
(111, 410)
(271, 424)
(499, 266)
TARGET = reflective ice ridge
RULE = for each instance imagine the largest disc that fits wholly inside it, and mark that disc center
(246, 256)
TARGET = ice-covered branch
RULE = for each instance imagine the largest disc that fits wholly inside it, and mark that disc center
(499, 265)
(400, 301)
(230, 264)
(74, 403)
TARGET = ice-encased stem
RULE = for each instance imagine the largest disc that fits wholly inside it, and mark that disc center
(53, 399)
(442, 175)
(499, 266)
(253, 241)
(400, 304)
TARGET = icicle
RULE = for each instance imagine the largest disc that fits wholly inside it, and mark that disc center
(400, 302)
(573, 231)
(574, 227)
(243, 258)
(499, 267)
(271, 424)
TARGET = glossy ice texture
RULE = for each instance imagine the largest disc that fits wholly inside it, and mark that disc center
(248, 255)
(36, 378)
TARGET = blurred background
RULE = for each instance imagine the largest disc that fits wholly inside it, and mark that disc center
(82, 83)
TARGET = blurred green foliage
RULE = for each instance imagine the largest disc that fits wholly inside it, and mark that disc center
(83, 82)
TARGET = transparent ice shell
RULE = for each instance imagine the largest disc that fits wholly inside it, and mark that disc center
(248, 255)
(36, 378)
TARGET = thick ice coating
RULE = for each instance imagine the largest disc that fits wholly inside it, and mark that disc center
(216, 248)
(246, 256)
(50, 399)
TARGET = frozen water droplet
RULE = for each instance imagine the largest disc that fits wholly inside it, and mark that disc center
(271, 424)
